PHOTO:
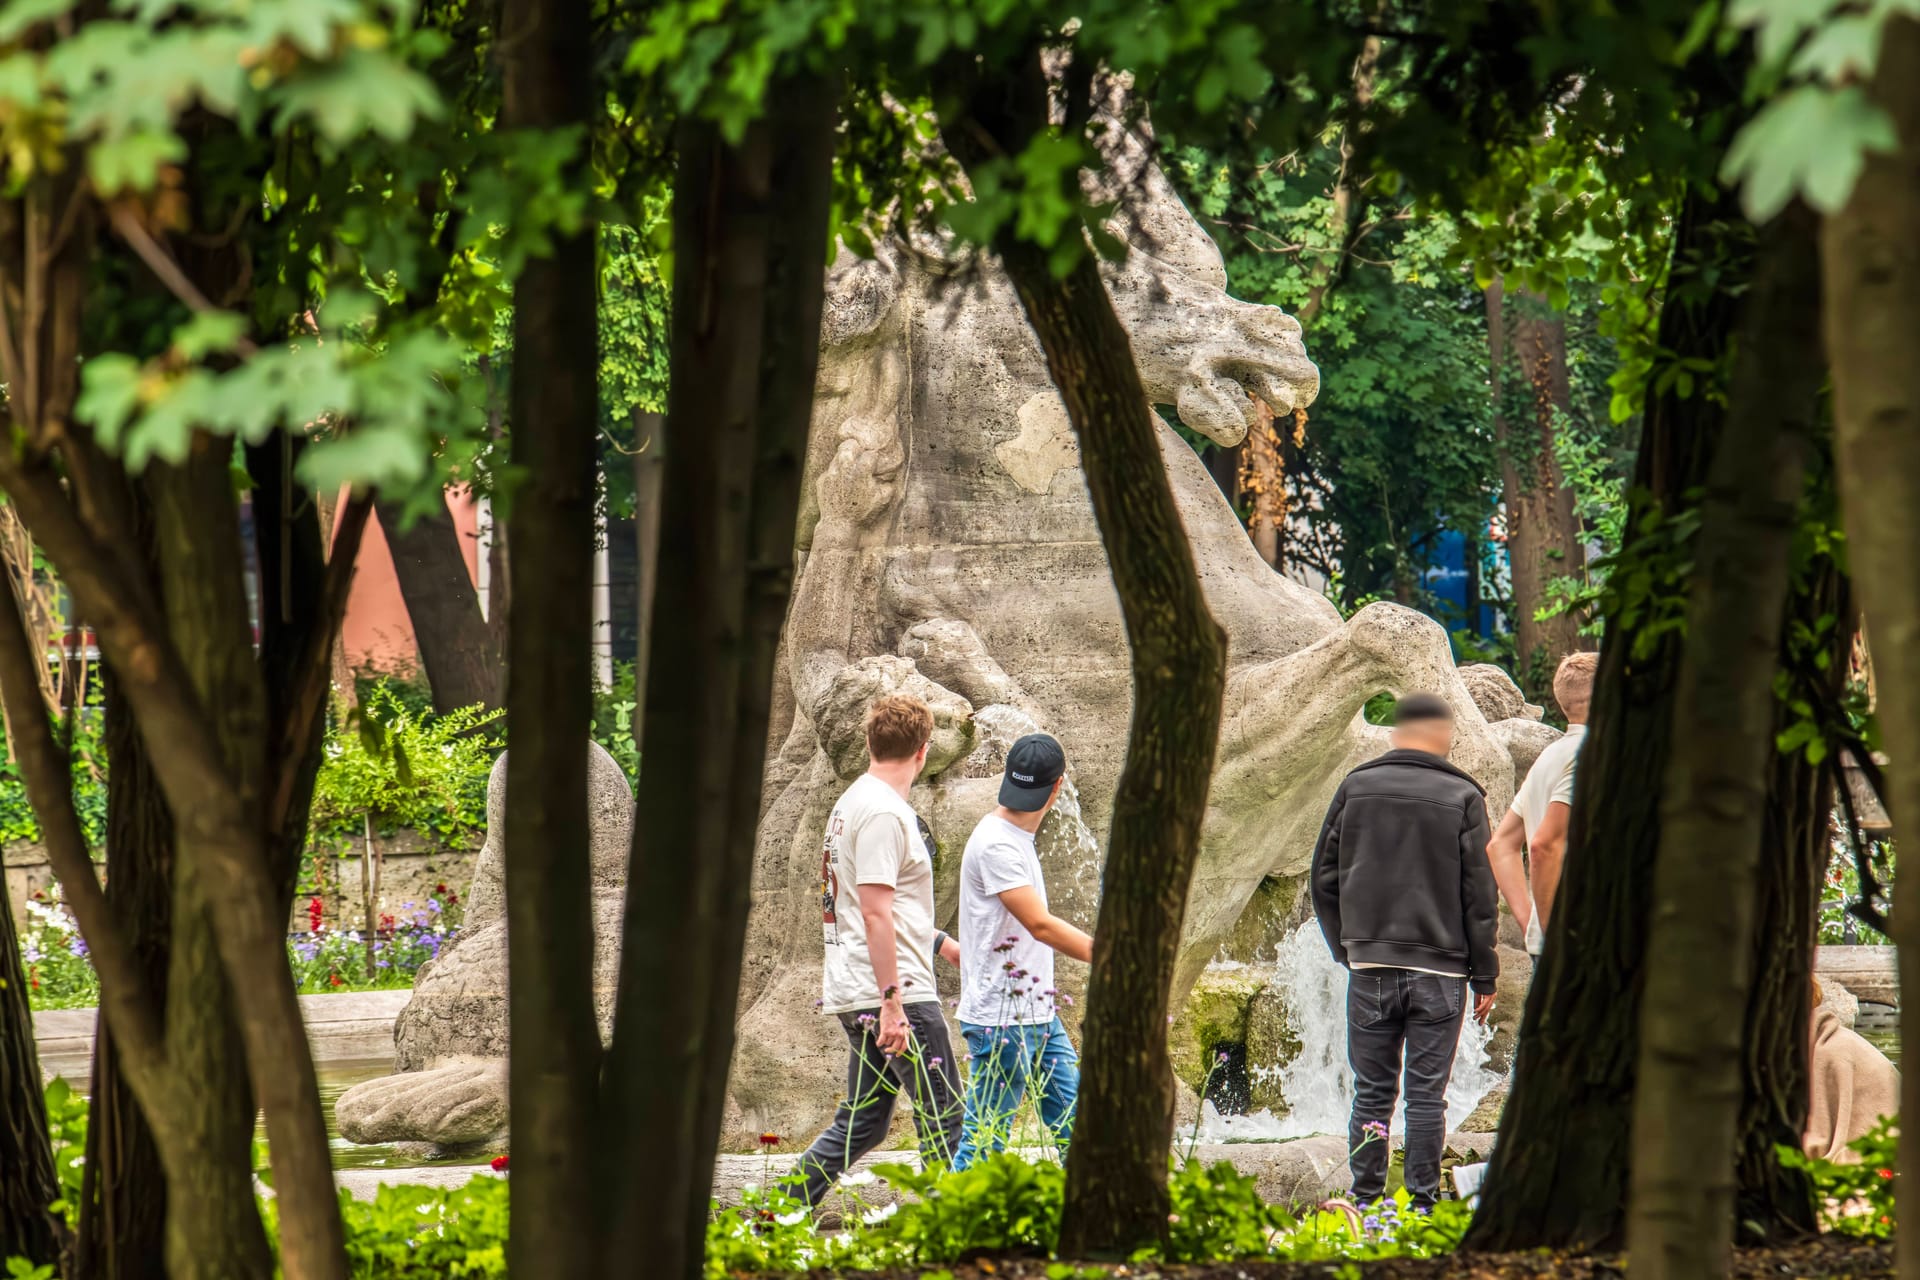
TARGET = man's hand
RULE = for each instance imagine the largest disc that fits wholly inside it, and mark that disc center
(893, 1032)
(1483, 1007)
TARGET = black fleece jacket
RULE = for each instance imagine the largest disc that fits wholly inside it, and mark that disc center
(1400, 873)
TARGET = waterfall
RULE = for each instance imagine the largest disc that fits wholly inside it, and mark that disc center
(1317, 1084)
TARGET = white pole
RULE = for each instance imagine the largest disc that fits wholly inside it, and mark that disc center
(483, 578)
(602, 608)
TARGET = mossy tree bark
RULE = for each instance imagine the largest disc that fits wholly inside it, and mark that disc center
(1871, 252)
(750, 235)
(1559, 1174)
(1699, 960)
(28, 1185)
(1116, 1193)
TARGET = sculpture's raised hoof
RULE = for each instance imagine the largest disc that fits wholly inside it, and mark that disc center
(458, 1103)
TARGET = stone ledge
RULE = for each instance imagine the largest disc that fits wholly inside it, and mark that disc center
(352, 1026)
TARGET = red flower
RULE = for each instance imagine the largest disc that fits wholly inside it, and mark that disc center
(316, 912)
(498, 1164)
(1885, 1173)
(769, 1139)
(440, 888)
(336, 979)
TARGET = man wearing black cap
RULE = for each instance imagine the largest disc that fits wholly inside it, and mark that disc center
(1406, 898)
(1008, 1005)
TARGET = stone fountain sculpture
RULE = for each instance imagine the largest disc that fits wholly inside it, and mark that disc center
(947, 548)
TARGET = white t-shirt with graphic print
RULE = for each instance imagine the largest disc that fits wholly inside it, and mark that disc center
(873, 838)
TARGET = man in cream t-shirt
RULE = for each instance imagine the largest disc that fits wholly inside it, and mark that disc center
(1016, 1042)
(876, 920)
(1537, 822)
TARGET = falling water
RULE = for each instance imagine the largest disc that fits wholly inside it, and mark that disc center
(1317, 1084)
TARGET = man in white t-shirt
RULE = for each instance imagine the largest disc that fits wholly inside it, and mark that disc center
(876, 913)
(1537, 822)
(1016, 1043)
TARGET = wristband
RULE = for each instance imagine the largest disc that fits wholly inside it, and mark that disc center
(939, 940)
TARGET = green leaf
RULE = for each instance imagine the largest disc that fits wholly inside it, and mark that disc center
(110, 393)
(18, 15)
(364, 92)
(208, 332)
(1811, 141)
(132, 162)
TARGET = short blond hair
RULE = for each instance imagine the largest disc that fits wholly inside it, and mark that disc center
(1573, 684)
(898, 725)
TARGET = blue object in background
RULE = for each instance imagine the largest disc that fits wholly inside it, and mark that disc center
(1446, 577)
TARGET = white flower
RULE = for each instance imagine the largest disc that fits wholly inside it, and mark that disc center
(793, 1219)
(885, 1211)
(862, 1178)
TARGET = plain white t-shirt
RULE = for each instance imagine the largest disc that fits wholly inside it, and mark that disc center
(1550, 780)
(873, 839)
(1006, 974)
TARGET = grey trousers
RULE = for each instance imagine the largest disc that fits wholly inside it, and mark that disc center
(926, 1071)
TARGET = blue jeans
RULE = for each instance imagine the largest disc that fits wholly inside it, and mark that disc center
(1004, 1064)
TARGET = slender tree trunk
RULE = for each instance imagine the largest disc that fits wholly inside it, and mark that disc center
(1266, 481)
(546, 54)
(1559, 1175)
(28, 1186)
(1699, 958)
(750, 234)
(649, 472)
(457, 646)
(1543, 537)
(1871, 252)
(1776, 1203)
(1116, 1193)
(213, 1228)
(123, 1207)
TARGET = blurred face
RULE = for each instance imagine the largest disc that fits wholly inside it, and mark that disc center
(1432, 736)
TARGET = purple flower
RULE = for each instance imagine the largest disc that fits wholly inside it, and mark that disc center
(78, 946)
(1372, 1128)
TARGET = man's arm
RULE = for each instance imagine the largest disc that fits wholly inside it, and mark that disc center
(1547, 853)
(876, 911)
(1509, 867)
(1326, 875)
(1024, 902)
(1479, 907)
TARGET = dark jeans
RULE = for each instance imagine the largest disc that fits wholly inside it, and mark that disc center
(1390, 1011)
(926, 1071)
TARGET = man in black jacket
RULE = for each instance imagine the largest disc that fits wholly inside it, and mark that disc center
(1406, 899)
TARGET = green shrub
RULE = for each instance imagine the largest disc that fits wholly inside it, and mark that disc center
(424, 1233)
(1856, 1198)
(405, 767)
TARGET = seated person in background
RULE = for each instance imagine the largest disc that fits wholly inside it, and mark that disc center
(1853, 1086)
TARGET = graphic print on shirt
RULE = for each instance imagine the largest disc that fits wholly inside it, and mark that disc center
(830, 880)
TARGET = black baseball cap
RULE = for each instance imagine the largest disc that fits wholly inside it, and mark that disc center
(1034, 764)
(1416, 707)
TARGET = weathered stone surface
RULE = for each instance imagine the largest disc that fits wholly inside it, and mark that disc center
(1217, 1012)
(1496, 694)
(1486, 1116)
(1845, 1005)
(450, 1041)
(1509, 1002)
(1524, 740)
(453, 1104)
(1270, 1042)
(945, 523)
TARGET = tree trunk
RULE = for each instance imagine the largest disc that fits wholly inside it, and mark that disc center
(546, 55)
(750, 233)
(1116, 1192)
(457, 646)
(1559, 1175)
(1871, 252)
(1266, 481)
(213, 1229)
(1543, 536)
(28, 1186)
(1700, 942)
(123, 1206)
(649, 472)
(1774, 1202)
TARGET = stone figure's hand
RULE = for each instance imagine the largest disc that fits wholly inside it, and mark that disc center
(893, 1031)
(1483, 1007)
